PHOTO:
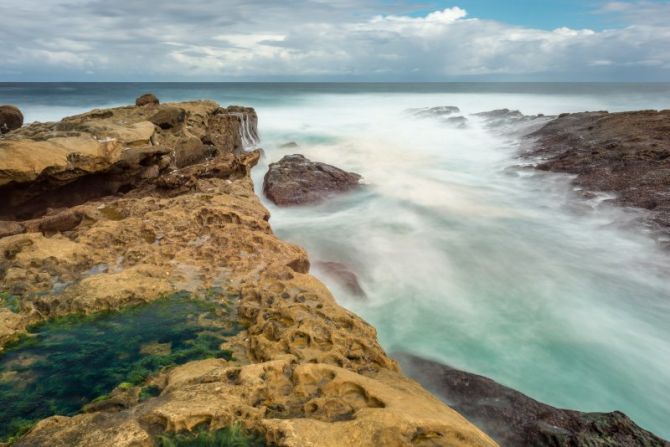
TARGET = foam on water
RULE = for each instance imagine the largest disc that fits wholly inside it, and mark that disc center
(501, 271)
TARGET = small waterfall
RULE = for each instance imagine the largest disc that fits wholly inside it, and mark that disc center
(248, 132)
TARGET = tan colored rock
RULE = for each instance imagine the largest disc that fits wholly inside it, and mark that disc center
(308, 372)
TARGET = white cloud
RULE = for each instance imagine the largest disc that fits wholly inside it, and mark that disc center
(342, 39)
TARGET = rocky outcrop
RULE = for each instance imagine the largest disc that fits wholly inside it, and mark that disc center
(148, 99)
(305, 372)
(515, 420)
(445, 114)
(624, 153)
(103, 152)
(295, 180)
(11, 118)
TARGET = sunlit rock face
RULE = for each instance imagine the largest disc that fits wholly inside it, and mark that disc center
(119, 207)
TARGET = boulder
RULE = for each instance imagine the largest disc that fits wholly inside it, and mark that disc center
(11, 118)
(168, 117)
(147, 99)
(295, 180)
(515, 420)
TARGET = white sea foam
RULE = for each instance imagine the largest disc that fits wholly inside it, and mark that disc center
(498, 270)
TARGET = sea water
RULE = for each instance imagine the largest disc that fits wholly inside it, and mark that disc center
(466, 256)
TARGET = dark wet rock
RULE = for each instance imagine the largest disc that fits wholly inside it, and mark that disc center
(168, 117)
(502, 117)
(289, 145)
(343, 275)
(457, 121)
(624, 153)
(515, 420)
(147, 99)
(11, 118)
(295, 180)
(434, 112)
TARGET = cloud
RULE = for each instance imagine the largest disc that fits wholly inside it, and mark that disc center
(314, 39)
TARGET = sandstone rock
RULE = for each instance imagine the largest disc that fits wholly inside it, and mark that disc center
(168, 118)
(307, 372)
(295, 180)
(515, 420)
(147, 99)
(11, 118)
(10, 228)
(65, 221)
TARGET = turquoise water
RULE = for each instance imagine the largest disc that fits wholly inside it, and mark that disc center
(63, 365)
(466, 256)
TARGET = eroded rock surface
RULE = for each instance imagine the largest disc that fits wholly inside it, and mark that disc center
(625, 153)
(515, 420)
(306, 371)
(295, 180)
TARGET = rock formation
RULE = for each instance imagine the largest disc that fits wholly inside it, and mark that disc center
(147, 99)
(624, 153)
(515, 420)
(295, 180)
(109, 209)
(11, 118)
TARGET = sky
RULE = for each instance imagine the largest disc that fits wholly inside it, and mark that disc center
(335, 40)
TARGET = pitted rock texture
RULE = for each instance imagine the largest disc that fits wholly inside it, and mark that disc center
(295, 180)
(624, 153)
(103, 152)
(515, 420)
(306, 371)
(11, 118)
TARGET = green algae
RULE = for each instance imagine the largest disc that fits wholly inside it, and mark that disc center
(64, 364)
(233, 436)
(10, 301)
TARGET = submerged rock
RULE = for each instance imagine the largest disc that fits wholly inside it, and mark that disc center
(147, 99)
(503, 117)
(343, 275)
(11, 118)
(624, 153)
(295, 180)
(515, 420)
(434, 112)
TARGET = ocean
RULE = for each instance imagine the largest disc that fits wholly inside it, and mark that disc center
(466, 255)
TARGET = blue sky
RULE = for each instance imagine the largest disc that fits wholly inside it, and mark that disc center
(321, 40)
(545, 14)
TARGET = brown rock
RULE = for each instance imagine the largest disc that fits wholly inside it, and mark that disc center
(10, 228)
(11, 118)
(65, 221)
(147, 99)
(341, 274)
(168, 118)
(515, 420)
(295, 180)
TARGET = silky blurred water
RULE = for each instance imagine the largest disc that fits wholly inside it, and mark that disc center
(466, 257)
